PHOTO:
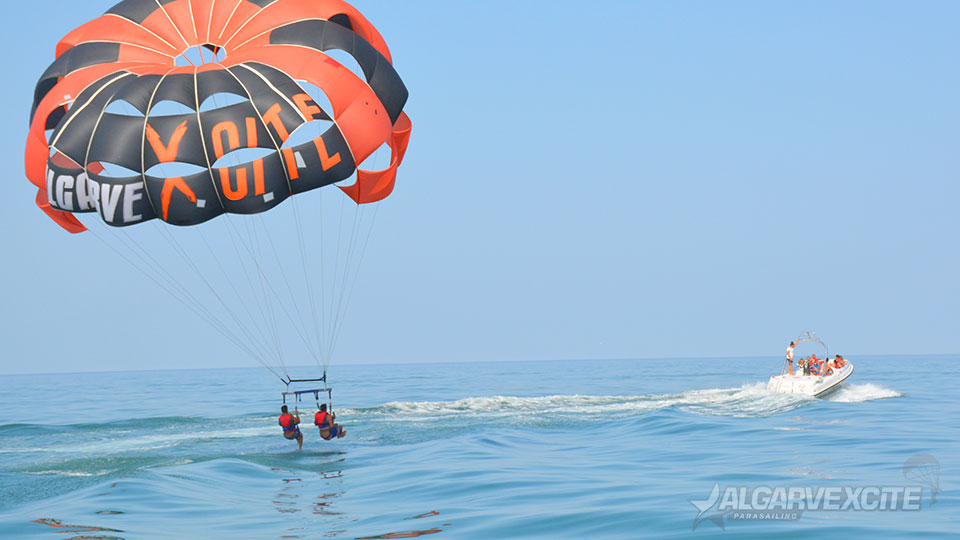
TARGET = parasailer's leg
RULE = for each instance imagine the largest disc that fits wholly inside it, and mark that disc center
(299, 440)
(335, 432)
(298, 435)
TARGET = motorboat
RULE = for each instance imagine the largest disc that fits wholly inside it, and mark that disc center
(800, 380)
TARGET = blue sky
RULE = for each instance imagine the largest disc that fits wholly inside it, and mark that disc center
(624, 180)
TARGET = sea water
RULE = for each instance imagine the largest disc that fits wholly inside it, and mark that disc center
(547, 450)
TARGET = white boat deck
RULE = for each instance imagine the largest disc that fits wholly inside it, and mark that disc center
(811, 385)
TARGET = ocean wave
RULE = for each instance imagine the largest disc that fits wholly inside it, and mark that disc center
(81, 474)
(128, 424)
(112, 441)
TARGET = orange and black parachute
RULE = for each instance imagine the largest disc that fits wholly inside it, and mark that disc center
(265, 50)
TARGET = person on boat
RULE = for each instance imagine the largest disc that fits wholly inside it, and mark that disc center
(816, 364)
(291, 431)
(827, 368)
(839, 362)
(790, 356)
(805, 365)
(324, 421)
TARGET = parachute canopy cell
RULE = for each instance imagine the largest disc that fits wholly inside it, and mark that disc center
(181, 110)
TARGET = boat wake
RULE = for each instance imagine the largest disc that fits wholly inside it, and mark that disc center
(858, 393)
(749, 400)
(108, 449)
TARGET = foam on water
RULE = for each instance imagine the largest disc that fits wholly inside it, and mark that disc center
(748, 400)
(858, 393)
(81, 474)
(112, 441)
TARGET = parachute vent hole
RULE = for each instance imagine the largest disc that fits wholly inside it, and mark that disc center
(122, 108)
(347, 60)
(221, 100)
(307, 132)
(378, 160)
(199, 55)
(174, 169)
(111, 170)
(348, 181)
(169, 108)
(242, 156)
(318, 96)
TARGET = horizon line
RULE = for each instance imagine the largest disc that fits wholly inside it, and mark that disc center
(429, 362)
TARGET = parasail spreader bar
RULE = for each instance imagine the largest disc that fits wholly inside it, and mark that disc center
(288, 381)
(315, 391)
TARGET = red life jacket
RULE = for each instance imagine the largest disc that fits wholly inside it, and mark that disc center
(320, 420)
(286, 422)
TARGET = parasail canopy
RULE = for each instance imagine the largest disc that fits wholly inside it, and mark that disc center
(250, 95)
(184, 110)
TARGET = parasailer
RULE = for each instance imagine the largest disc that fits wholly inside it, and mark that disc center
(180, 111)
(325, 423)
(290, 424)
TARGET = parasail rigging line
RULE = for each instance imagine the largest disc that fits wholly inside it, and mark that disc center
(161, 270)
(254, 238)
(240, 297)
(317, 323)
(352, 286)
(340, 292)
(335, 301)
(283, 273)
(183, 296)
(255, 292)
(272, 290)
(192, 264)
(347, 287)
